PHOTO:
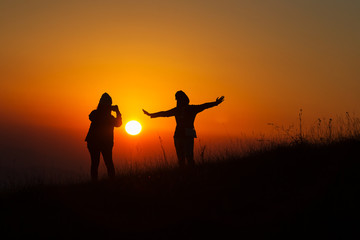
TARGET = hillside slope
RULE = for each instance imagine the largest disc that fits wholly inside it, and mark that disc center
(289, 191)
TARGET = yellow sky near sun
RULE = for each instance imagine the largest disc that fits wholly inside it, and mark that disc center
(268, 59)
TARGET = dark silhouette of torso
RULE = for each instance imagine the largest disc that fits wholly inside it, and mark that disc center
(101, 131)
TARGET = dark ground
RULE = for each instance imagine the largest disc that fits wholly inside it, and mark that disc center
(294, 192)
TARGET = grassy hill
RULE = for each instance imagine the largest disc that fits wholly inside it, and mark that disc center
(294, 191)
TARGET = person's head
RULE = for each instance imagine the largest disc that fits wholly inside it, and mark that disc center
(181, 98)
(105, 103)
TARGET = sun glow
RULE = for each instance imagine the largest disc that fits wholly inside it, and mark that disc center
(133, 127)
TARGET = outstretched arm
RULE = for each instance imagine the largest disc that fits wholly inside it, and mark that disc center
(169, 113)
(204, 106)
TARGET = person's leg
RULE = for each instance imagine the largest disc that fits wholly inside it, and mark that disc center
(179, 146)
(107, 155)
(189, 151)
(95, 160)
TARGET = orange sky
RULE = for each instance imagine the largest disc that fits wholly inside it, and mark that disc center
(268, 58)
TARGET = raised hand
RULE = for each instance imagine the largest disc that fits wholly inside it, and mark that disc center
(115, 108)
(220, 100)
(146, 113)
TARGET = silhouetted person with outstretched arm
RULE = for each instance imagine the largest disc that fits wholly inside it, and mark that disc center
(100, 138)
(185, 132)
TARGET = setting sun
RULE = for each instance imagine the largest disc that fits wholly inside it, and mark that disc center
(133, 127)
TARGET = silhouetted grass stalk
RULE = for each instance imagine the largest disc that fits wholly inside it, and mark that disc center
(163, 151)
(336, 129)
(300, 127)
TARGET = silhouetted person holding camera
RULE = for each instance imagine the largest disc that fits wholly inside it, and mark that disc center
(185, 132)
(100, 138)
